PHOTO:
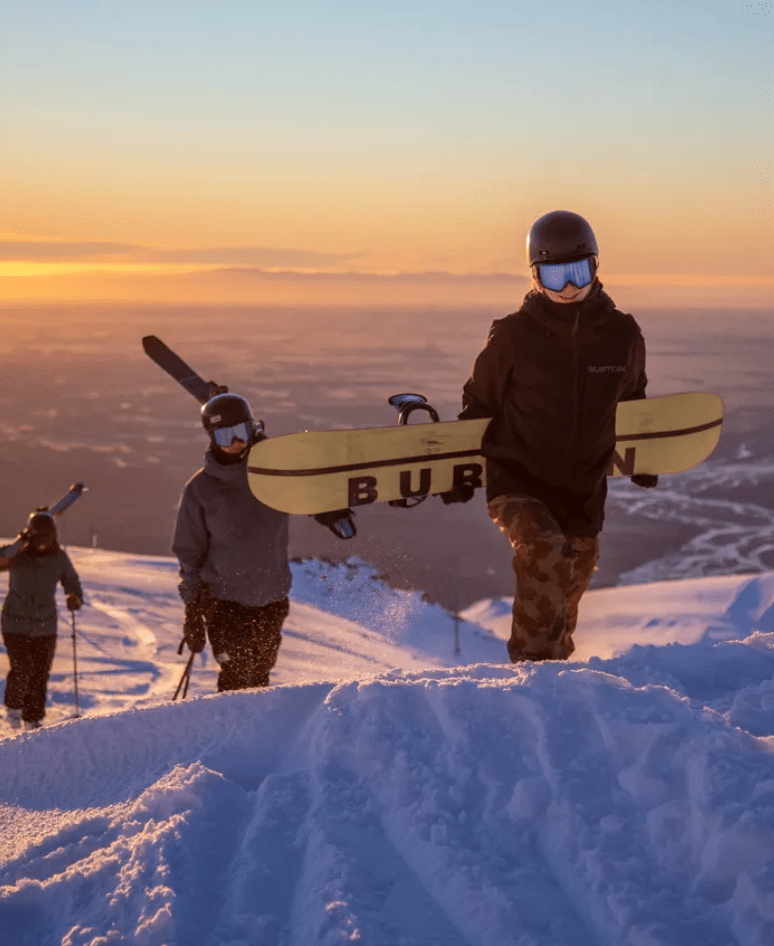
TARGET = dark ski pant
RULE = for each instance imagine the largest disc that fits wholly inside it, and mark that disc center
(552, 572)
(30, 659)
(246, 642)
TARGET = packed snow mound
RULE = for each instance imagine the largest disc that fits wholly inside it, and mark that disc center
(625, 799)
(612, 620)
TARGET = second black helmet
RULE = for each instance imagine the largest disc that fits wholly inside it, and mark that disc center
(227, 417)
(41, 524)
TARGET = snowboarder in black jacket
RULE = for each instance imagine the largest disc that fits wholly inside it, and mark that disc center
(551, 377)
(29, 616)
(233, 552)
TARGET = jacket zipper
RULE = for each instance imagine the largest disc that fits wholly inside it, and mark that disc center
(576, 393)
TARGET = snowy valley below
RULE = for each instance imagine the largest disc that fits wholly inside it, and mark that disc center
(387, 790)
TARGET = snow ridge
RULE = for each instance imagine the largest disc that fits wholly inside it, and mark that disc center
(390, 795)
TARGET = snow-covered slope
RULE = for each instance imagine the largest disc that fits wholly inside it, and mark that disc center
(390, 791)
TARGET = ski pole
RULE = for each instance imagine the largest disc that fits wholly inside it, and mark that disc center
(75, 668)
(456, 626)
(184, 679)
(187, 681)
(455, 561)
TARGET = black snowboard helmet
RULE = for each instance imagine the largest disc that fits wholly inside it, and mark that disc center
(41, 525)
(227, 417)
(40, 533)
(560, 237)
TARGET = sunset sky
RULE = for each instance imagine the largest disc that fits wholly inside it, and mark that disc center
(364, 150)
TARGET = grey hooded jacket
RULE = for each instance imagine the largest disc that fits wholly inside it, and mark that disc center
(30, 605)
(226, 538)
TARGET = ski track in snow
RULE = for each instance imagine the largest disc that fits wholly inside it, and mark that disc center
(389, 793)
(734, 537)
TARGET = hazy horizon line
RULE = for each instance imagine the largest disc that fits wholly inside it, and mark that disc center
(10, 304)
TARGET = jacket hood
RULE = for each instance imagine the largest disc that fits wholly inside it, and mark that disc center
(538, 305)
(233, 474)
(229, 540)
(596, 295)
(43, 553)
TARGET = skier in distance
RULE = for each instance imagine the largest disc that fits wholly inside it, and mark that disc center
(551, 376)
(233, 552)
(29, 616)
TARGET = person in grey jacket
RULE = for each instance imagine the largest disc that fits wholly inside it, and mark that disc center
(29, 616)
(233, 553)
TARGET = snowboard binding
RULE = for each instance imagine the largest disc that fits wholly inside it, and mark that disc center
(405, 404)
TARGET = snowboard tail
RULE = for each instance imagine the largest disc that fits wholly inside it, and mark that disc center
(668, 434)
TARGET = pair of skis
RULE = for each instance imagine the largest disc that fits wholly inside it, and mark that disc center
(185, 376)
(73, 493)
(55, 510)
(173, 364)
(405, 404)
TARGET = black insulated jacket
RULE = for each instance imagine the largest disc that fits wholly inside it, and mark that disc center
(551, 377)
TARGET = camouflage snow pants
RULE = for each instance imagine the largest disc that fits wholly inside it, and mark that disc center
(552, 572)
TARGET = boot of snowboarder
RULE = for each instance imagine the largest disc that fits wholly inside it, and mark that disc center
(29, 616)
(233, 553)
(551, 377)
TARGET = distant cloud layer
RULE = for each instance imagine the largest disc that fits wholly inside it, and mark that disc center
(36, 251)
(253, 256)
(425, 276)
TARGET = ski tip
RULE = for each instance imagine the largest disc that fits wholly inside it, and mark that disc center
(148, 341)
(79, 486)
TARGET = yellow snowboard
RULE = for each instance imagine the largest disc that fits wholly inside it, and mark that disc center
(319, 471)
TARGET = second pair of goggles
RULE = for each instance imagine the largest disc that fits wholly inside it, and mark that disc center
(225, 436)
(555, 276)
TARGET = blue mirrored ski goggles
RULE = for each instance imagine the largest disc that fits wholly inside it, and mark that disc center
(556, 275)
(225, 436)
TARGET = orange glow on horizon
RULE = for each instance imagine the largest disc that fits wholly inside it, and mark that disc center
(22, 282)
(23, 269)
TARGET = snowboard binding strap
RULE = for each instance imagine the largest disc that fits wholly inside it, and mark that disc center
(405, 405)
